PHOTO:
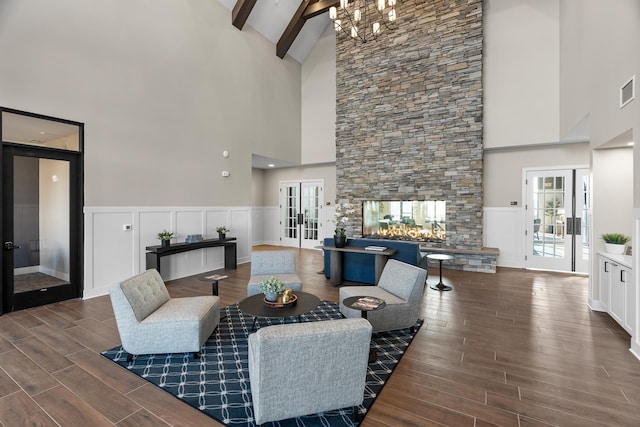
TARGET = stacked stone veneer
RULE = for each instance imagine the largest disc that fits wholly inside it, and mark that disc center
(409, 115)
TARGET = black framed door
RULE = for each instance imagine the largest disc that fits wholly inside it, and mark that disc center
(41, 226)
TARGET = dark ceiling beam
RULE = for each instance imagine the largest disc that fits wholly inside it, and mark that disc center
(307, 9)
(241, 12)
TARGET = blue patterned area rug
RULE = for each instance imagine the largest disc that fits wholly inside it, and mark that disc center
(218, 383)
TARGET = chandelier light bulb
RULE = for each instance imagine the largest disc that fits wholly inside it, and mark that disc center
(364, 19)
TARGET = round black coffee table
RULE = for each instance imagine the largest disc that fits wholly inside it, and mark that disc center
(255, 306)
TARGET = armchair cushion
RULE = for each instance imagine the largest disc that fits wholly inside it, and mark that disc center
(401, 286)
(145, 293)
(176, 326)
(305, 368)
(278, 264)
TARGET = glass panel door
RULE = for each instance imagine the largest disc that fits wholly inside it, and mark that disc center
(300, 207)
(557, 213)
(311, 196)
(37, 262)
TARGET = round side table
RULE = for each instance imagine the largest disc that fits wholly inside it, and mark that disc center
(441, 257)
(352, 302)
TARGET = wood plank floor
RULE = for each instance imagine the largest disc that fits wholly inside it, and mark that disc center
(515, 348)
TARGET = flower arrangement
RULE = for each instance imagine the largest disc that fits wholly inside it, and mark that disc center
(615, 238)
(271, 285)
(222, 229)
(342, 215)
(164, 235)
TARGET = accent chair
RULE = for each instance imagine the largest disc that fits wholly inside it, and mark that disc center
(401, 286)
(305, 368)
(151, 322)
(278, 264)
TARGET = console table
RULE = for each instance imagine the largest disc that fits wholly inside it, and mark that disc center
(154, 253)
(335, 273)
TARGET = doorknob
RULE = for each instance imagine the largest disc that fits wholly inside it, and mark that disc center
(9, 246)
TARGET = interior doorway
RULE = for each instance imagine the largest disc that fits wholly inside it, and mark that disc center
(301, 212)
(41, 210)
(558, 218)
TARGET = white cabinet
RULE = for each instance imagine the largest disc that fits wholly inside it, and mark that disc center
(617, 291)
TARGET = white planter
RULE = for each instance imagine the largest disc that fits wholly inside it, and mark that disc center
(614, 249)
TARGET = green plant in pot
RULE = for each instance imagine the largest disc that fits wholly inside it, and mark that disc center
(271, 287)
(615, 242)
(165, 237)
(222, 231)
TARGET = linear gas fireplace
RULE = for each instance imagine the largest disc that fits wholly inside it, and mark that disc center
(420, 221)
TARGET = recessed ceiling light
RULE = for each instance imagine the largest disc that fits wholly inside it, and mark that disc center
(271, 165)
(630, 144)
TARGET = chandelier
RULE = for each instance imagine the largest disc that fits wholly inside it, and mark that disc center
(363, 20)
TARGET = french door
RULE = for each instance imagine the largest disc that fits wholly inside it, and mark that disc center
(558, 215)
(41, 227)
(300, 212)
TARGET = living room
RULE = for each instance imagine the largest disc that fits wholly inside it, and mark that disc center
(164, 90)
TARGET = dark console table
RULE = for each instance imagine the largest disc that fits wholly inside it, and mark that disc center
(335, 272)
(154, 253)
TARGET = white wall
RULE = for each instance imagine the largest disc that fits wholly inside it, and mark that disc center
(113, 254)
(319, 101)
(502, 177)
(162, 86)
(521, 72)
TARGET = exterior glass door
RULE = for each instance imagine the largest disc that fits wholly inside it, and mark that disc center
(558, 217)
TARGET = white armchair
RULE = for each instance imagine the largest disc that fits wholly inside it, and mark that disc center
(150, 322)
(401, 285)
(306, 368)
(279, 264)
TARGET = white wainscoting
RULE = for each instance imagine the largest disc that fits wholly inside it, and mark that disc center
(113, 254)
(503, 229)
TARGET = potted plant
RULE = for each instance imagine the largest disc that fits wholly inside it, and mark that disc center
(271, 287)
(222, 232)
(165, 238)
(615, 243)
(343, 211)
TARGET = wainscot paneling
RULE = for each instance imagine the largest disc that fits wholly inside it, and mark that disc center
(503, 229)
(113, 251)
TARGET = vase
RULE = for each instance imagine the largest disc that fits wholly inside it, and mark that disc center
(614, 249)
(165, 243)
(340, 241)
(222, 236)
(271, 296)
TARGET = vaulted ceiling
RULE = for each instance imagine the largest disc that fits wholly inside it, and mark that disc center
(294, 26)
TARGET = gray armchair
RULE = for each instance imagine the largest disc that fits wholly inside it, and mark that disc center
(150, 322)
(279, 264)
(305, 368)
(401, 285)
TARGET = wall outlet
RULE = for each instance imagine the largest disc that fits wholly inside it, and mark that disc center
(126, 227)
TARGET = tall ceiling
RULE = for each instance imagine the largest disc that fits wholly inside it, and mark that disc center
(271, 18)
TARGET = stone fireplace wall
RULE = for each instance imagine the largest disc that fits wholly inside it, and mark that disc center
(409, 115)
